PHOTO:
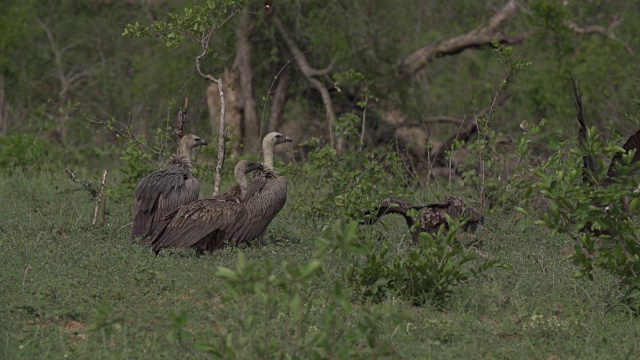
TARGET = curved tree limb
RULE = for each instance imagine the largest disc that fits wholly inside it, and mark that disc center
(311, 73)
(487, 35)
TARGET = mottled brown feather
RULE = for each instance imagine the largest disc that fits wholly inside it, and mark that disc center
(207, 224)
(164, 190)
(430, 217)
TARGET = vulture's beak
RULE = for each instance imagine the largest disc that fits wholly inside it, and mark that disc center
(288, 139)
(201, 142)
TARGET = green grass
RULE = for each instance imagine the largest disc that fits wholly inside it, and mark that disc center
(71, 290)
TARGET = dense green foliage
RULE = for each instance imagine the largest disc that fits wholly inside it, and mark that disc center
(606, 235)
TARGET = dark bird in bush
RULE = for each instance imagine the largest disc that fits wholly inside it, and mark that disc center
(590, 167)
(165, 190)
(271, 196)
(429, 217)
(209, 224)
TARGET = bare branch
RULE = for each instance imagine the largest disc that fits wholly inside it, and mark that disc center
(488, 34)
(600, 30)
(310, 73)
(182, 118)
(437, 156)
(204, 43)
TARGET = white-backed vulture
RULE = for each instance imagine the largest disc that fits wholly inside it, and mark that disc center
(269, 199)
(164, 190)
(207, 224)
(430, 217)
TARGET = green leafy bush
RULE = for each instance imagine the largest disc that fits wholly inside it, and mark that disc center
(606, 236)
(343, 185)
(426, 272)
(295, 321)
(26, 152)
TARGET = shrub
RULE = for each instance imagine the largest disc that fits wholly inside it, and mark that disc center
(426, 272)
(284, 301)
(606, 237)
(140, 159)
(26, 152)
(343, 185)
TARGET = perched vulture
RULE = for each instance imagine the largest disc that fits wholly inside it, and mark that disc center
(208, 224)
(590, 167)
(430, 217)
(270, 193)
(164, 190)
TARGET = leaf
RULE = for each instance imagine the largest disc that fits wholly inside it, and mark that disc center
(296, 307)
(226, 273)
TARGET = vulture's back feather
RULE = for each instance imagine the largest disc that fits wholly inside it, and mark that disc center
(159, 193)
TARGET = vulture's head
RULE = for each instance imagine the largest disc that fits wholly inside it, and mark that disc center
(190, 141)
(390, 205)
(244, 167)
(274, 138)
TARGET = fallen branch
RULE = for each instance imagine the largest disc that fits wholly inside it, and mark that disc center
(84, 185)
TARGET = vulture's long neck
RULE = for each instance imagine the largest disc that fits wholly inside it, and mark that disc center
(184, 154)
(267, 151)
(243, 182)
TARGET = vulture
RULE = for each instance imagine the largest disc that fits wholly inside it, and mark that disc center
(270, 193)
(430, 217)
(164, 190)
(590, 167)
(207, 224)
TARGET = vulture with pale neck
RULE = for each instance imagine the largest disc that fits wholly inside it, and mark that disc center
(270, 193)
(165, 190)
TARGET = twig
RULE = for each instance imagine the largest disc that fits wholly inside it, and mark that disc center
(84, 184)
(24, 279)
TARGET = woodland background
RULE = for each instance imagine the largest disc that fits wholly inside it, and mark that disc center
(423, 70)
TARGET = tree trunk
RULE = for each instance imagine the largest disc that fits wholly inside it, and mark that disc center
(279, 101)
(233, 115)
(242, 64)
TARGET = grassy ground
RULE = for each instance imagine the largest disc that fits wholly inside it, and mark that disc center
(70, 290)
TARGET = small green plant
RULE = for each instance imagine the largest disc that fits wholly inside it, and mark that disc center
(426, 272)
(140, 158)
(105, 322)
(284, 301)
